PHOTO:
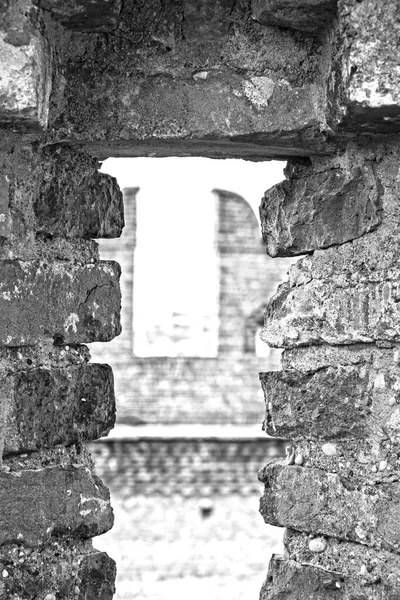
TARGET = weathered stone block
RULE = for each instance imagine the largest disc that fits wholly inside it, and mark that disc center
(288, 580)
(306, 15)
(335, 311)
(24, 68)
(369, 31)
(80, 15)
(65, 302)
(51, 571)
(204, 20)
(75, 200)
(97, 573)
(313, 501)
(5, 216)
(46, 407)
(316, 210)
(327, 404)
(208, 80)
(62, 501)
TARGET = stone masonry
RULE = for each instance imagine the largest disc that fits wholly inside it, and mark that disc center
(314, 82)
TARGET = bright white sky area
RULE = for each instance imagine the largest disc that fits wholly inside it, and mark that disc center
(176, 273)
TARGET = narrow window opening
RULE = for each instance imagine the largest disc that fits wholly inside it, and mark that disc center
(188, 441)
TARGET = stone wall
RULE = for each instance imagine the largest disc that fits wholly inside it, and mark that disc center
(313, 81)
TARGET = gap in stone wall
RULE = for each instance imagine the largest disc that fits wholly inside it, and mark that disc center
(188, 441)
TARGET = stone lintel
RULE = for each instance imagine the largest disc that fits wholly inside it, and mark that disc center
(313, 210)
(62, 502)
(84, 15)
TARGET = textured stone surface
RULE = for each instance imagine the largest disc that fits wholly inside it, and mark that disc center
(40, 572)
(313, 210)
(75, 200)
(46, 407)
(370, 68)
(288, 580)
(305, 15)
(81, 15)
(310, 500)
(323, 405)
(205, 71)
(336, 311)
(97, 575)
(24, 68)
(5, 216)
(62, 501)
(66, 302)
(375, 571)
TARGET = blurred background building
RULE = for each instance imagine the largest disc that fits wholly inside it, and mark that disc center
(188, 441)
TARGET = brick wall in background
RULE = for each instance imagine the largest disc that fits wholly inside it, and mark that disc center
(221, 390)
(196, 466)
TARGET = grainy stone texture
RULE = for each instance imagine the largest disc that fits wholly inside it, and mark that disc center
(75, 503)
(24, 67)
(204, 71)
(55, 300)
(58, 568)
(358, 568)
(313, 501)
(80, 15)
(206, 78)
(44, 407)
(369, 31)
(305, 15)
(75, 200)
(5, 216)
(317, 208)
(346, 294)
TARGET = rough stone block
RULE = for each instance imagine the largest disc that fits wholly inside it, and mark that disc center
(24, 69)
(49, 406)
(208, 80)
(75, 200)
(336, 311)
(316, 210)
(81, 15)
(62, 501)
(5, 215)
(363, 569)
(313, 501)
(97, 574)
(205, 20)
(331, 403)
(369, 31)
(49, 571)
(69, 303)
(305, 15)
(289, 580)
